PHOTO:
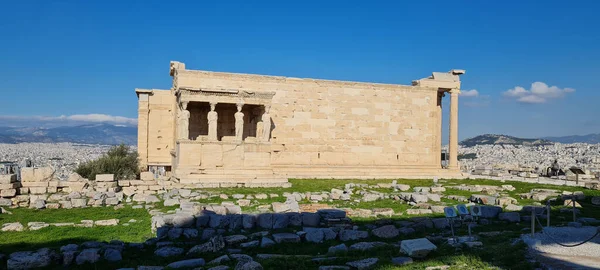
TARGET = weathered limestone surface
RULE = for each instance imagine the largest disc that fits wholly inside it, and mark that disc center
(297, 127)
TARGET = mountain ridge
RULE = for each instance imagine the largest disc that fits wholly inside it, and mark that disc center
(90, 134)
(500, 139)
(588, 138)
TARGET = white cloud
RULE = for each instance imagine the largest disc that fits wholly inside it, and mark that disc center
(469, 93)
(85, 118)
(531, 99)
(538, 93)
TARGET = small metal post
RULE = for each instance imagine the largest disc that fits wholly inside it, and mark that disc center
(577, 179)
(532, 222)
(574, 202)
(469, 227)
(451, 226)
(548, 214)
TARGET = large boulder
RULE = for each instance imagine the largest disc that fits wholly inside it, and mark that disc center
(248, 221)
(363, 264)
(265, 221)
(168, 251)
(402, 260)
(216, 243)
(510, 217)
(183, 220)
(280, 221)
(440, 223)
(235, 239)
(331, 213)
(311, 219)
(5, 202)
(279, 207)
(251, 265)
(362, 246)
(187, 264)
(112, 255)
(89, 255)
(28, 260)
(341, 248)
(12, 227)
(387, 231)
(490, 211)
(295, 219)
(417, 248)
(349, 235)
(266, 242)
(235, 222)
(286, 238)
(318, 235)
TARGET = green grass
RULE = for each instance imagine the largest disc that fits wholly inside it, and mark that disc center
(498, 251)
(57, 236)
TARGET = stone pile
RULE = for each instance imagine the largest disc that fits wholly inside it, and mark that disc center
(65, 200)
(230, 217)
(8, 185)
(106, 183)
(38, 181)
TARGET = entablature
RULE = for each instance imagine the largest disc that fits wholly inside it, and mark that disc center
(225, 96)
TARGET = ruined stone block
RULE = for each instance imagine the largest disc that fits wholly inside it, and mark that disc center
(34, 184)
(7, 193)
(124, 183)
(146, 176)
(105, 177)
(9, 186)
(8, 178)
(37, 190)
(417, 248)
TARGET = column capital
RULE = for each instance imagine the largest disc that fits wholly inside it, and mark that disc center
(213, 104)
(454, 91)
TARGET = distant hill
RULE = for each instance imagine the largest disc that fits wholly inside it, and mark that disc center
(89, 134)
(590, 138)
(502, 140)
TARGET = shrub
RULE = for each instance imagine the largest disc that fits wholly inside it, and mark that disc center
(120, 160)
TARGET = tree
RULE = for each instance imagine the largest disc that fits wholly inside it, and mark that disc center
(120, 160)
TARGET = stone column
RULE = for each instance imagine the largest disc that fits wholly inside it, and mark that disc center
(212, 122)
(184, 122)
(239, 123)
(453, 142)
(439, 127)
(266, 119)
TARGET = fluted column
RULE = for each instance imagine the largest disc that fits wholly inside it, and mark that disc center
(453, 140)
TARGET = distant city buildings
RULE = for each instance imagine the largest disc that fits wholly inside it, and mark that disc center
(530, 161)
(63, 157)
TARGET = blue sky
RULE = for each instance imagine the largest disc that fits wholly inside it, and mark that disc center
(74, 58)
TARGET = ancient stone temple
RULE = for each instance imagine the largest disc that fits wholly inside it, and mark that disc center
(213, 127)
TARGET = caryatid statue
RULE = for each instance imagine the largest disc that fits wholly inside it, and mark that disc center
(184, 122)
(239, 122)
(266, 119)
(212, 122)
